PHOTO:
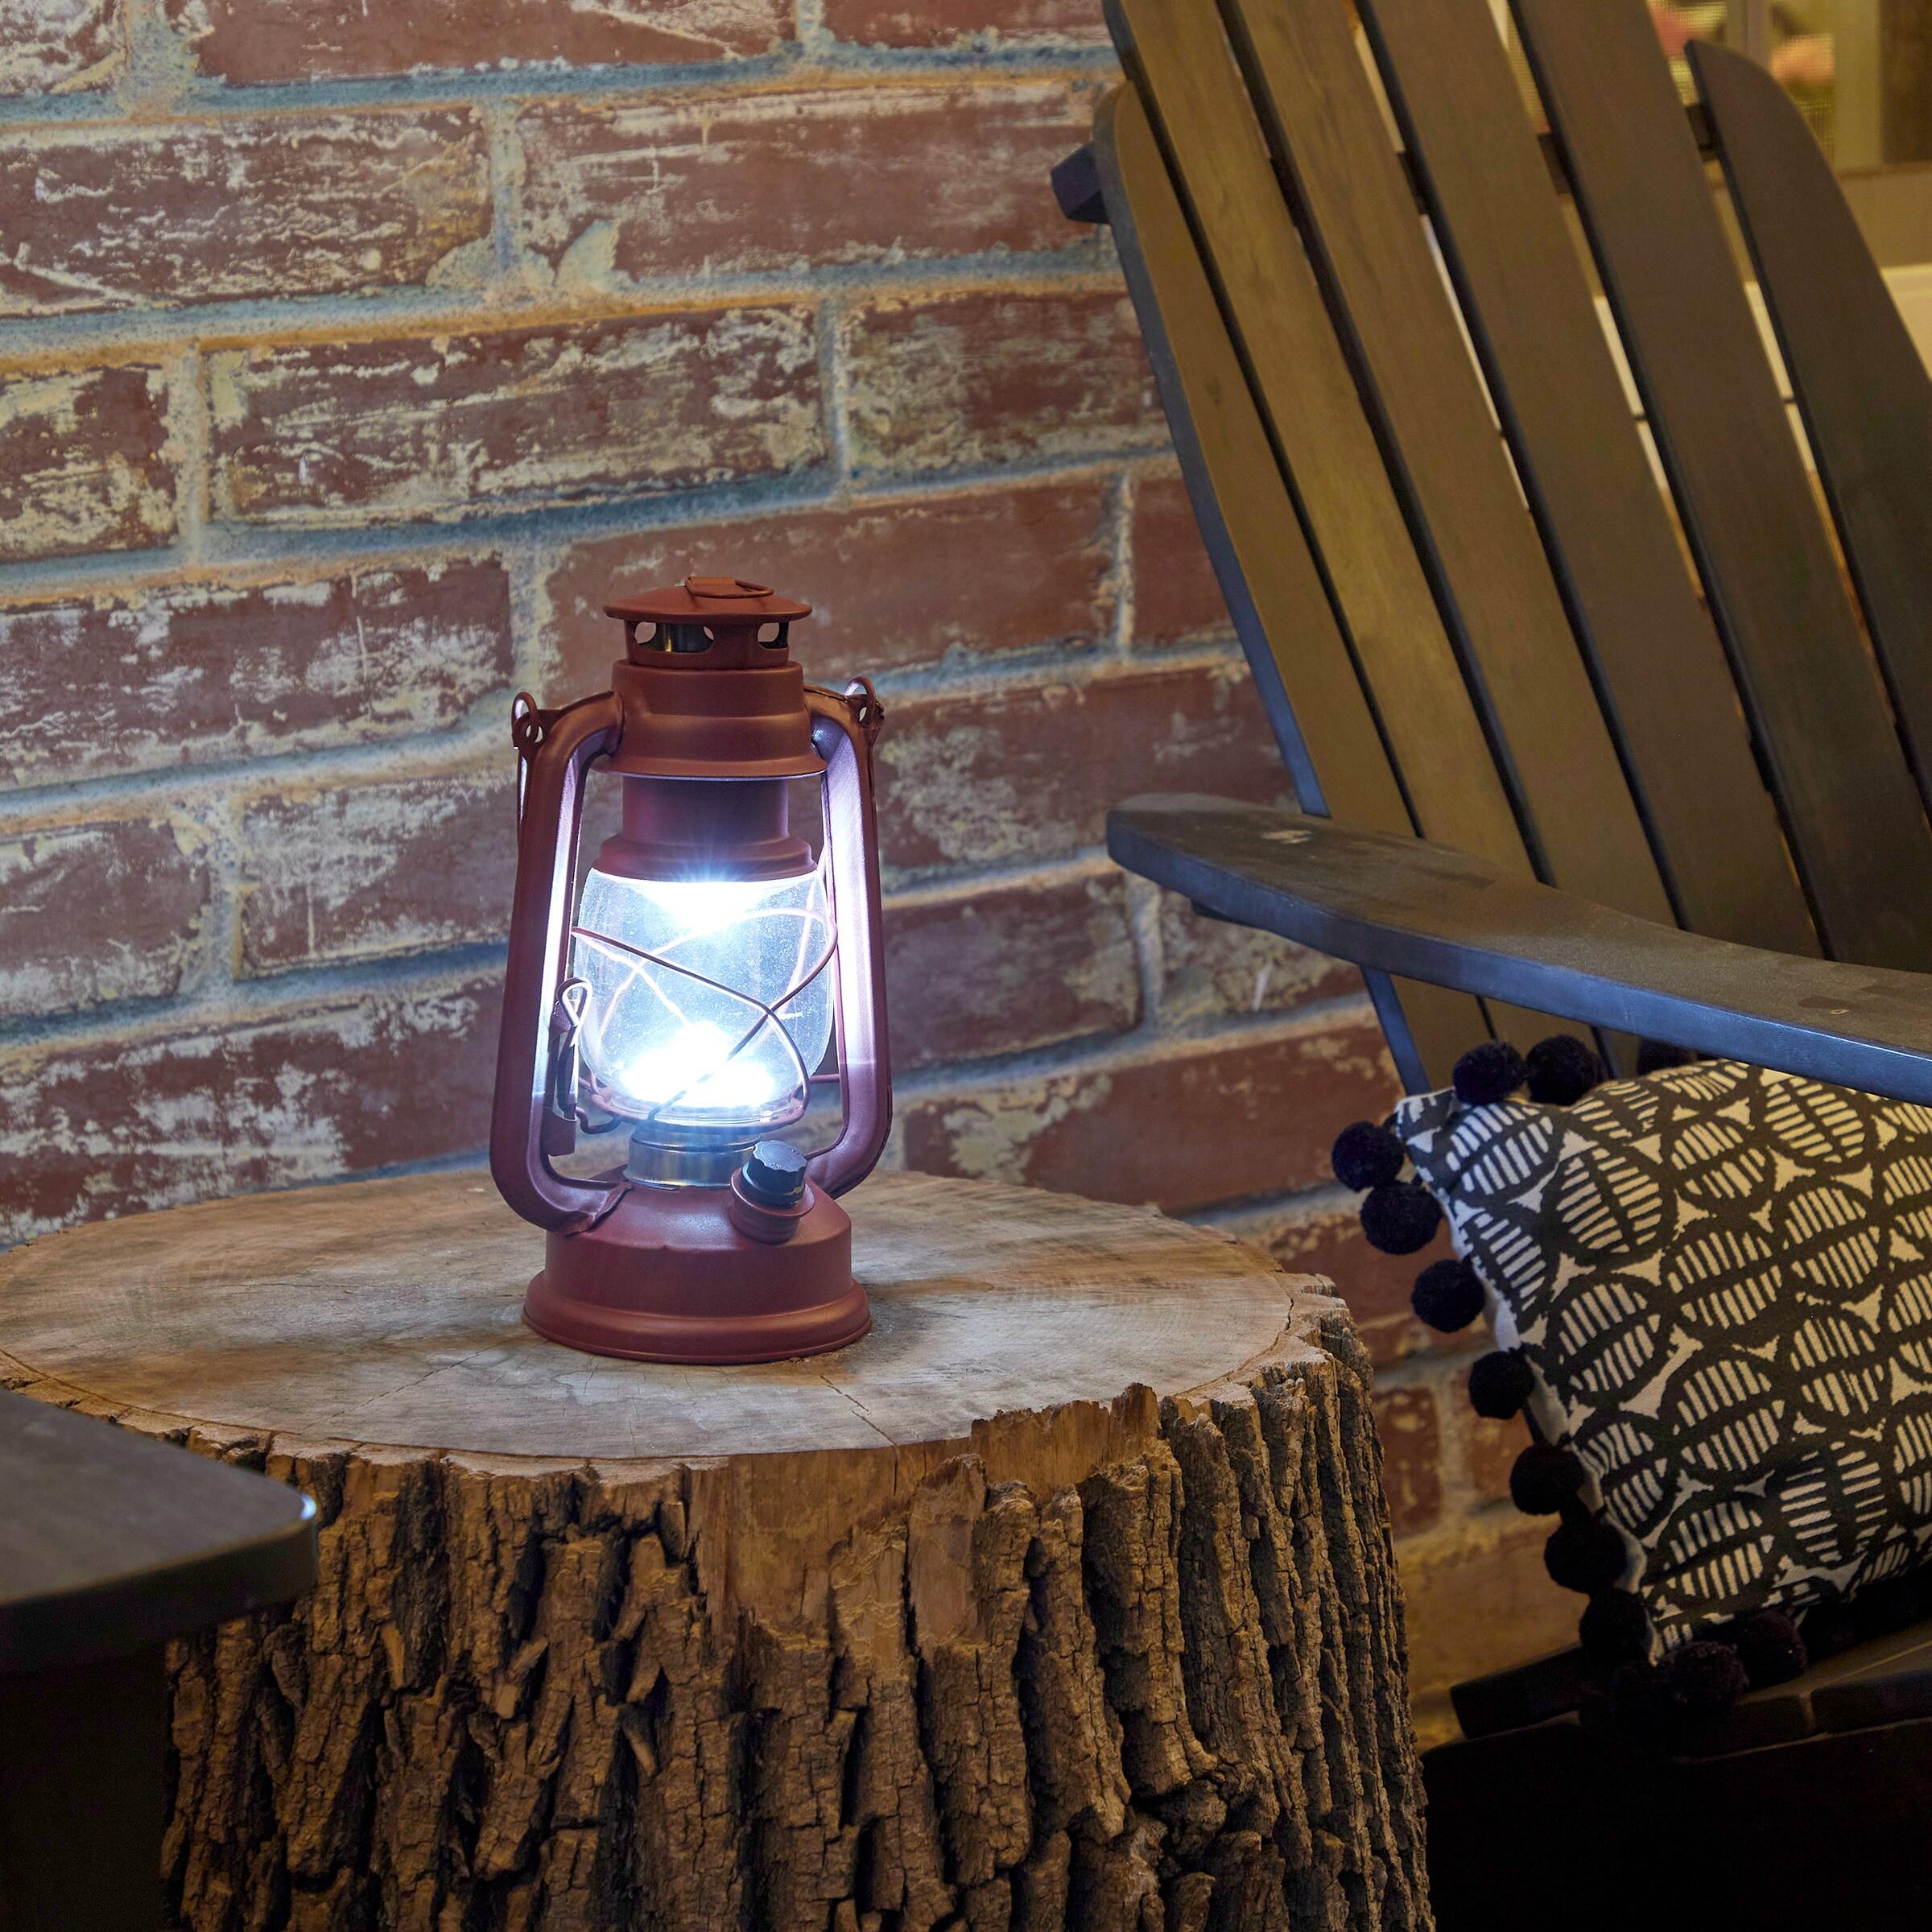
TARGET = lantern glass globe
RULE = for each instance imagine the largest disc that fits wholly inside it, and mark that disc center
(681, 972)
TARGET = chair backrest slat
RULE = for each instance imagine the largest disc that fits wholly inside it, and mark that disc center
(1321, 439)
(1862, 387)
(1666, 688)
(1358, 221)
(1857, 827)
(1322, 720)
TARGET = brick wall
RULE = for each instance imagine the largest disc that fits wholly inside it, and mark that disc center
(350, 356)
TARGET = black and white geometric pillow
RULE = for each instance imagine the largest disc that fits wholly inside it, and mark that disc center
(1712, 1290)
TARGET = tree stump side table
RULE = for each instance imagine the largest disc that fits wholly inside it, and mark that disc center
(1065, 1598)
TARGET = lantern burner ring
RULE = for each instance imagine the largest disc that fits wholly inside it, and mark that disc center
(699, 1158)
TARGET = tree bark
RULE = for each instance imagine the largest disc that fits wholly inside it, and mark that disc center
(1126, 1655)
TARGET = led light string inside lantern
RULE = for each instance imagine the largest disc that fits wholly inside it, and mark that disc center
(679, 1052)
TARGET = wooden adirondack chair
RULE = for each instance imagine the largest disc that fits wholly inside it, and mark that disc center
(1538, 775)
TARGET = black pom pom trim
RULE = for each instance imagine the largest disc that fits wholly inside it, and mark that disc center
(1561, 1070)
(1400, 1216)
(1642, 1703)
(1543, 1479)
(1770, 1647)
(1500, 1383)
(1656, 1056)
(1614, 1629)
(1447, 1296)
(1491, 1071)
(1365, 1155)
(1706, 1676)
(1584, 1554)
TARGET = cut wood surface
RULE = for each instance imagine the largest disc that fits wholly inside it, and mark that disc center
(1064, 1598)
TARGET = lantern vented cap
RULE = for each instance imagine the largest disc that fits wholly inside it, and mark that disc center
(726, 601)
(708, 685)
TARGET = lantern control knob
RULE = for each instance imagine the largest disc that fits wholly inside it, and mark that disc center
(769, 1199)
(774, 1175)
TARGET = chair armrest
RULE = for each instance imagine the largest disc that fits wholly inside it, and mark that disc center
(111, 1541)
(1404, 906)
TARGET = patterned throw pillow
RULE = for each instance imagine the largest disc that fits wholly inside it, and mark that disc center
(1712, 1286)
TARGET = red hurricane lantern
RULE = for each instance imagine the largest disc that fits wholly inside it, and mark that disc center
(714, 975)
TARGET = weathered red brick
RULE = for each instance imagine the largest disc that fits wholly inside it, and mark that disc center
(1210, 967)
(104, 909)
(902, 582)
(60, 46)
(1477, 1598)
(409, 427)
(1491, 1446)
(1328, 1241)
(257, 40)
(1209, 1121)
(1176, 600)
(623, 189)
(297, 205)
(84, 462)
(185, 673)
(111, 1124)
(356, 871)
(1412, 1456)
(989, 376)
(957, 22)
(1030, 770)
(1009, 969)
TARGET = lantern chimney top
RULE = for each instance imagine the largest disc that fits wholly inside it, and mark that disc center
(721, 602)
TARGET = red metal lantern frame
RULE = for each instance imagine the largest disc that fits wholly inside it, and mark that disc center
(706, 722)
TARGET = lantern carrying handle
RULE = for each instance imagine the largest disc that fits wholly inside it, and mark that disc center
(557, 749)
(843, 728)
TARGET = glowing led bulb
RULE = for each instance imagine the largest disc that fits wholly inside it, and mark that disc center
(694, 1063)
(699, 906)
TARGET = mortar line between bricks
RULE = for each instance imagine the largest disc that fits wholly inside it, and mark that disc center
(1092, 864)
(159, 70)
(482, 724)
(1128, 496)
(188, 420)
(120, 1026)
(309, 551)
(1149, 946)
(791, 66)
(1323, 1198)
(344, 983)
(1432, 1367)
(223, 942)
(124, 332)
(1143, 1046)
(243, 548)
(530, 567)
(477, 729)
(831, 324)
(505, 152)
(815, 38)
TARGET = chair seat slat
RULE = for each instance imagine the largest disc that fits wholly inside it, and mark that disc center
(1819, 710)
(1358, 219)
(1300, 662)
(1667, 689)
(1862, 387)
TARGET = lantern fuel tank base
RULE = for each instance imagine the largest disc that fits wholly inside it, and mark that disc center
(665, 1278)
